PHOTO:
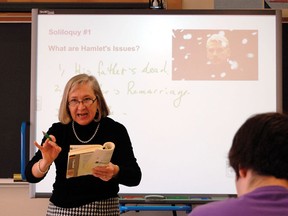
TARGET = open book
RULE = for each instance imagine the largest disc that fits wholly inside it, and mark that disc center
(82, 158)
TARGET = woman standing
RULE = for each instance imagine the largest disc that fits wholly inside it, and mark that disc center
(83, 117)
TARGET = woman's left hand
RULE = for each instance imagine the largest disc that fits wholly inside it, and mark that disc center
(105, 172)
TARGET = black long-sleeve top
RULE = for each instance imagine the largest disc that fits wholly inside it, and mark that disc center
(76, 191)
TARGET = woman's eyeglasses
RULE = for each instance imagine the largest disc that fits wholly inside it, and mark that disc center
(85, 102)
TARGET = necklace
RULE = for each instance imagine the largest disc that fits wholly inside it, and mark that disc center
(82, 141)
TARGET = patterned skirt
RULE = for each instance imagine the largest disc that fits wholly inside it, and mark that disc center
(108, 207)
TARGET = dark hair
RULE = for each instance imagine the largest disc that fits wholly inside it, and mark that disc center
(261, 144)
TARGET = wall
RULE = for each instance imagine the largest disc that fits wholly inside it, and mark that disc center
(172, 4)
(197, 4)
(14, 198)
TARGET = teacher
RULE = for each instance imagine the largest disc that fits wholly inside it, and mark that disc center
(83, 117)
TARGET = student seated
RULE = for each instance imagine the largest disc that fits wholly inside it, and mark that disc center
(259, 157)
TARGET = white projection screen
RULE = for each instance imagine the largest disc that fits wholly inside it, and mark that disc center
(180, 97)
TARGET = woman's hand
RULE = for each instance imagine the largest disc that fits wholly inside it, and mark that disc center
(50, 150)
(105, 172)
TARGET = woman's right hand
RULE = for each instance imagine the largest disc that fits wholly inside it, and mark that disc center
(50, 150)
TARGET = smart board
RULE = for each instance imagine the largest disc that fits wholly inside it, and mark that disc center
(181, 81)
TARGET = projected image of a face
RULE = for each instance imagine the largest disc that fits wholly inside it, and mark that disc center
(219, 54)
(218, 50)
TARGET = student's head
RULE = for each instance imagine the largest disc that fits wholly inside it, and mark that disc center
(83, 98)
(261, 145)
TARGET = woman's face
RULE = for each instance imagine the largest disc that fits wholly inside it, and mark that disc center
(83, 112)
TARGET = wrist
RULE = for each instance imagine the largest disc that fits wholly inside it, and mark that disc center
(41, 167)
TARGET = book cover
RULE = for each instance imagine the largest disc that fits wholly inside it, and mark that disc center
(83, 158)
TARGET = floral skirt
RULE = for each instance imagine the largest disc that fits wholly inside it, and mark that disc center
(108, 207)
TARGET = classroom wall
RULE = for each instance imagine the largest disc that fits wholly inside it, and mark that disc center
(14, 200)
(14, 197)
(197, 4)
